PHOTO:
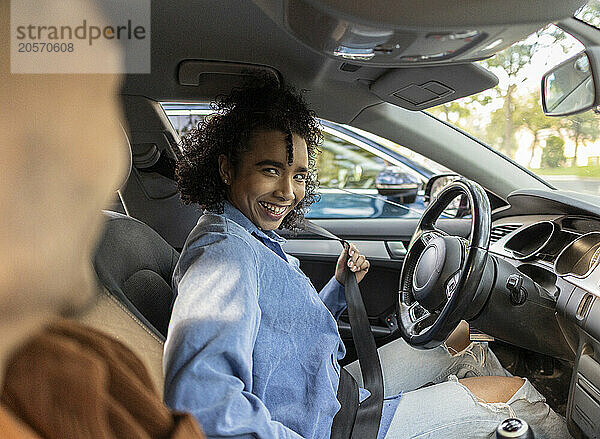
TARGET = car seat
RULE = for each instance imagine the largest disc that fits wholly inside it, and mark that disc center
(134, 266)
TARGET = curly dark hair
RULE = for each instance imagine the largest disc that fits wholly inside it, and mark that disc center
(260, 105)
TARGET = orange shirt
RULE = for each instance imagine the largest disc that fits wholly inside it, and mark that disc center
(71, 381)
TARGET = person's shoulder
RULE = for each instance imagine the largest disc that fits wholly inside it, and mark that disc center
(219, 234)
(80, 360)
(217, 246)
(213, 225)
(293, 260)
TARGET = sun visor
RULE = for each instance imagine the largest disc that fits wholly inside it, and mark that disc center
(418, 88)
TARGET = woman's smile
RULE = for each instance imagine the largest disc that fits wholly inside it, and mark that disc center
(266, 187)
(273, 210)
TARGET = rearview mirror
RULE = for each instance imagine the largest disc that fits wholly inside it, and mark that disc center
(571, 87)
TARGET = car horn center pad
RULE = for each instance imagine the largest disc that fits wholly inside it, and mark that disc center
(436, 266)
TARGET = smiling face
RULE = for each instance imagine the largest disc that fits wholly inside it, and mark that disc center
(264, 187)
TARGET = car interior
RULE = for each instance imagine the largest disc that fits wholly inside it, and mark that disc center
(373, 65)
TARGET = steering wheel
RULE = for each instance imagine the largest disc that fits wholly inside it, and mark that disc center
(441, 273)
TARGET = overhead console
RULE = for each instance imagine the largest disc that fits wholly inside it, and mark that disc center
(407, 33)
(426, 49)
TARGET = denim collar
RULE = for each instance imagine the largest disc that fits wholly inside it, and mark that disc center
(237, 216)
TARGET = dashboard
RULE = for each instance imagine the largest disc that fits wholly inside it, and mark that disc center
(561, 253)
(557, 250)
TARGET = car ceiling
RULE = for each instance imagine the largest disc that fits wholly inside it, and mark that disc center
(259, 33)
(211, 32)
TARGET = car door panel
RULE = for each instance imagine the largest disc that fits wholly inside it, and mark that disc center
(388, 229)
(384, 242)
(379, 289)
(373, 250)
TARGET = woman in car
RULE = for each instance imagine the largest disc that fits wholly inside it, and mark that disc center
(252, 348)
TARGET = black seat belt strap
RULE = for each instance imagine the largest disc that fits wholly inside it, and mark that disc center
(368, 416)
(347, 395)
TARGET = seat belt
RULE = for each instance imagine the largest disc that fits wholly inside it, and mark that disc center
(353, 420)
(347, 396)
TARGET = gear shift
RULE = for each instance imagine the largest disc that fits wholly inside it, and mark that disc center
(514, 428)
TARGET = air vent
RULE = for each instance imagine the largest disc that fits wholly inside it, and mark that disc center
(499, 232)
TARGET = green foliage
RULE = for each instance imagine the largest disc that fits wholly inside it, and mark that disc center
(503, 115)
(579, 171)
(511, 62)
(590, 13)
(452, 111)
(500, 132)
(553, 155)
(530, 116)
(512, 59)
(581, 127)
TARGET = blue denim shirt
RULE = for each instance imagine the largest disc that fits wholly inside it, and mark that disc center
(252, 347)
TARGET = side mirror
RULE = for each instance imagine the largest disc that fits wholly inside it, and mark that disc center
(397, 184)
(458, 208)
(573, 85)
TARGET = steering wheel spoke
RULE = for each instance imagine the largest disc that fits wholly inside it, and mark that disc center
(417, 312)
(423, 319)
(439, 231)
(430, 234)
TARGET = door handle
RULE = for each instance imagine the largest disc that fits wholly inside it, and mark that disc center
(396, 249)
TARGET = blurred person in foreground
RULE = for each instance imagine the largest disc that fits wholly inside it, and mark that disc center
(63, 155)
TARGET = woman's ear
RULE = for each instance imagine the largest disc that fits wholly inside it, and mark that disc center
(225, 169)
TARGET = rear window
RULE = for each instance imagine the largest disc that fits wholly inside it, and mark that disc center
(186, 116)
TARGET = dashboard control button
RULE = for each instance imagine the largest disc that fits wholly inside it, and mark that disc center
(518, 294)
(514, 282)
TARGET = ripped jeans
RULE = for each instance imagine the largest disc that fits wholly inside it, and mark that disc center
(448, 409)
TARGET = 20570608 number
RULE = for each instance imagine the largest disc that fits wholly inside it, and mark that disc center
(46, 47)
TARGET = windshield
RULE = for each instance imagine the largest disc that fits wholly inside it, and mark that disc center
(564, 151)
(590, 13)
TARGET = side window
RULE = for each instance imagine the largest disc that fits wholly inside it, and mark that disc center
(342, 165)
(366, 177)
(185, 122)
(361, 175)
(184, 117)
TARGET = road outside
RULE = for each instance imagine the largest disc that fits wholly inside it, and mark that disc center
(590, 185)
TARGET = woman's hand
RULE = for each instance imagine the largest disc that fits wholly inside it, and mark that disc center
(355, 261)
